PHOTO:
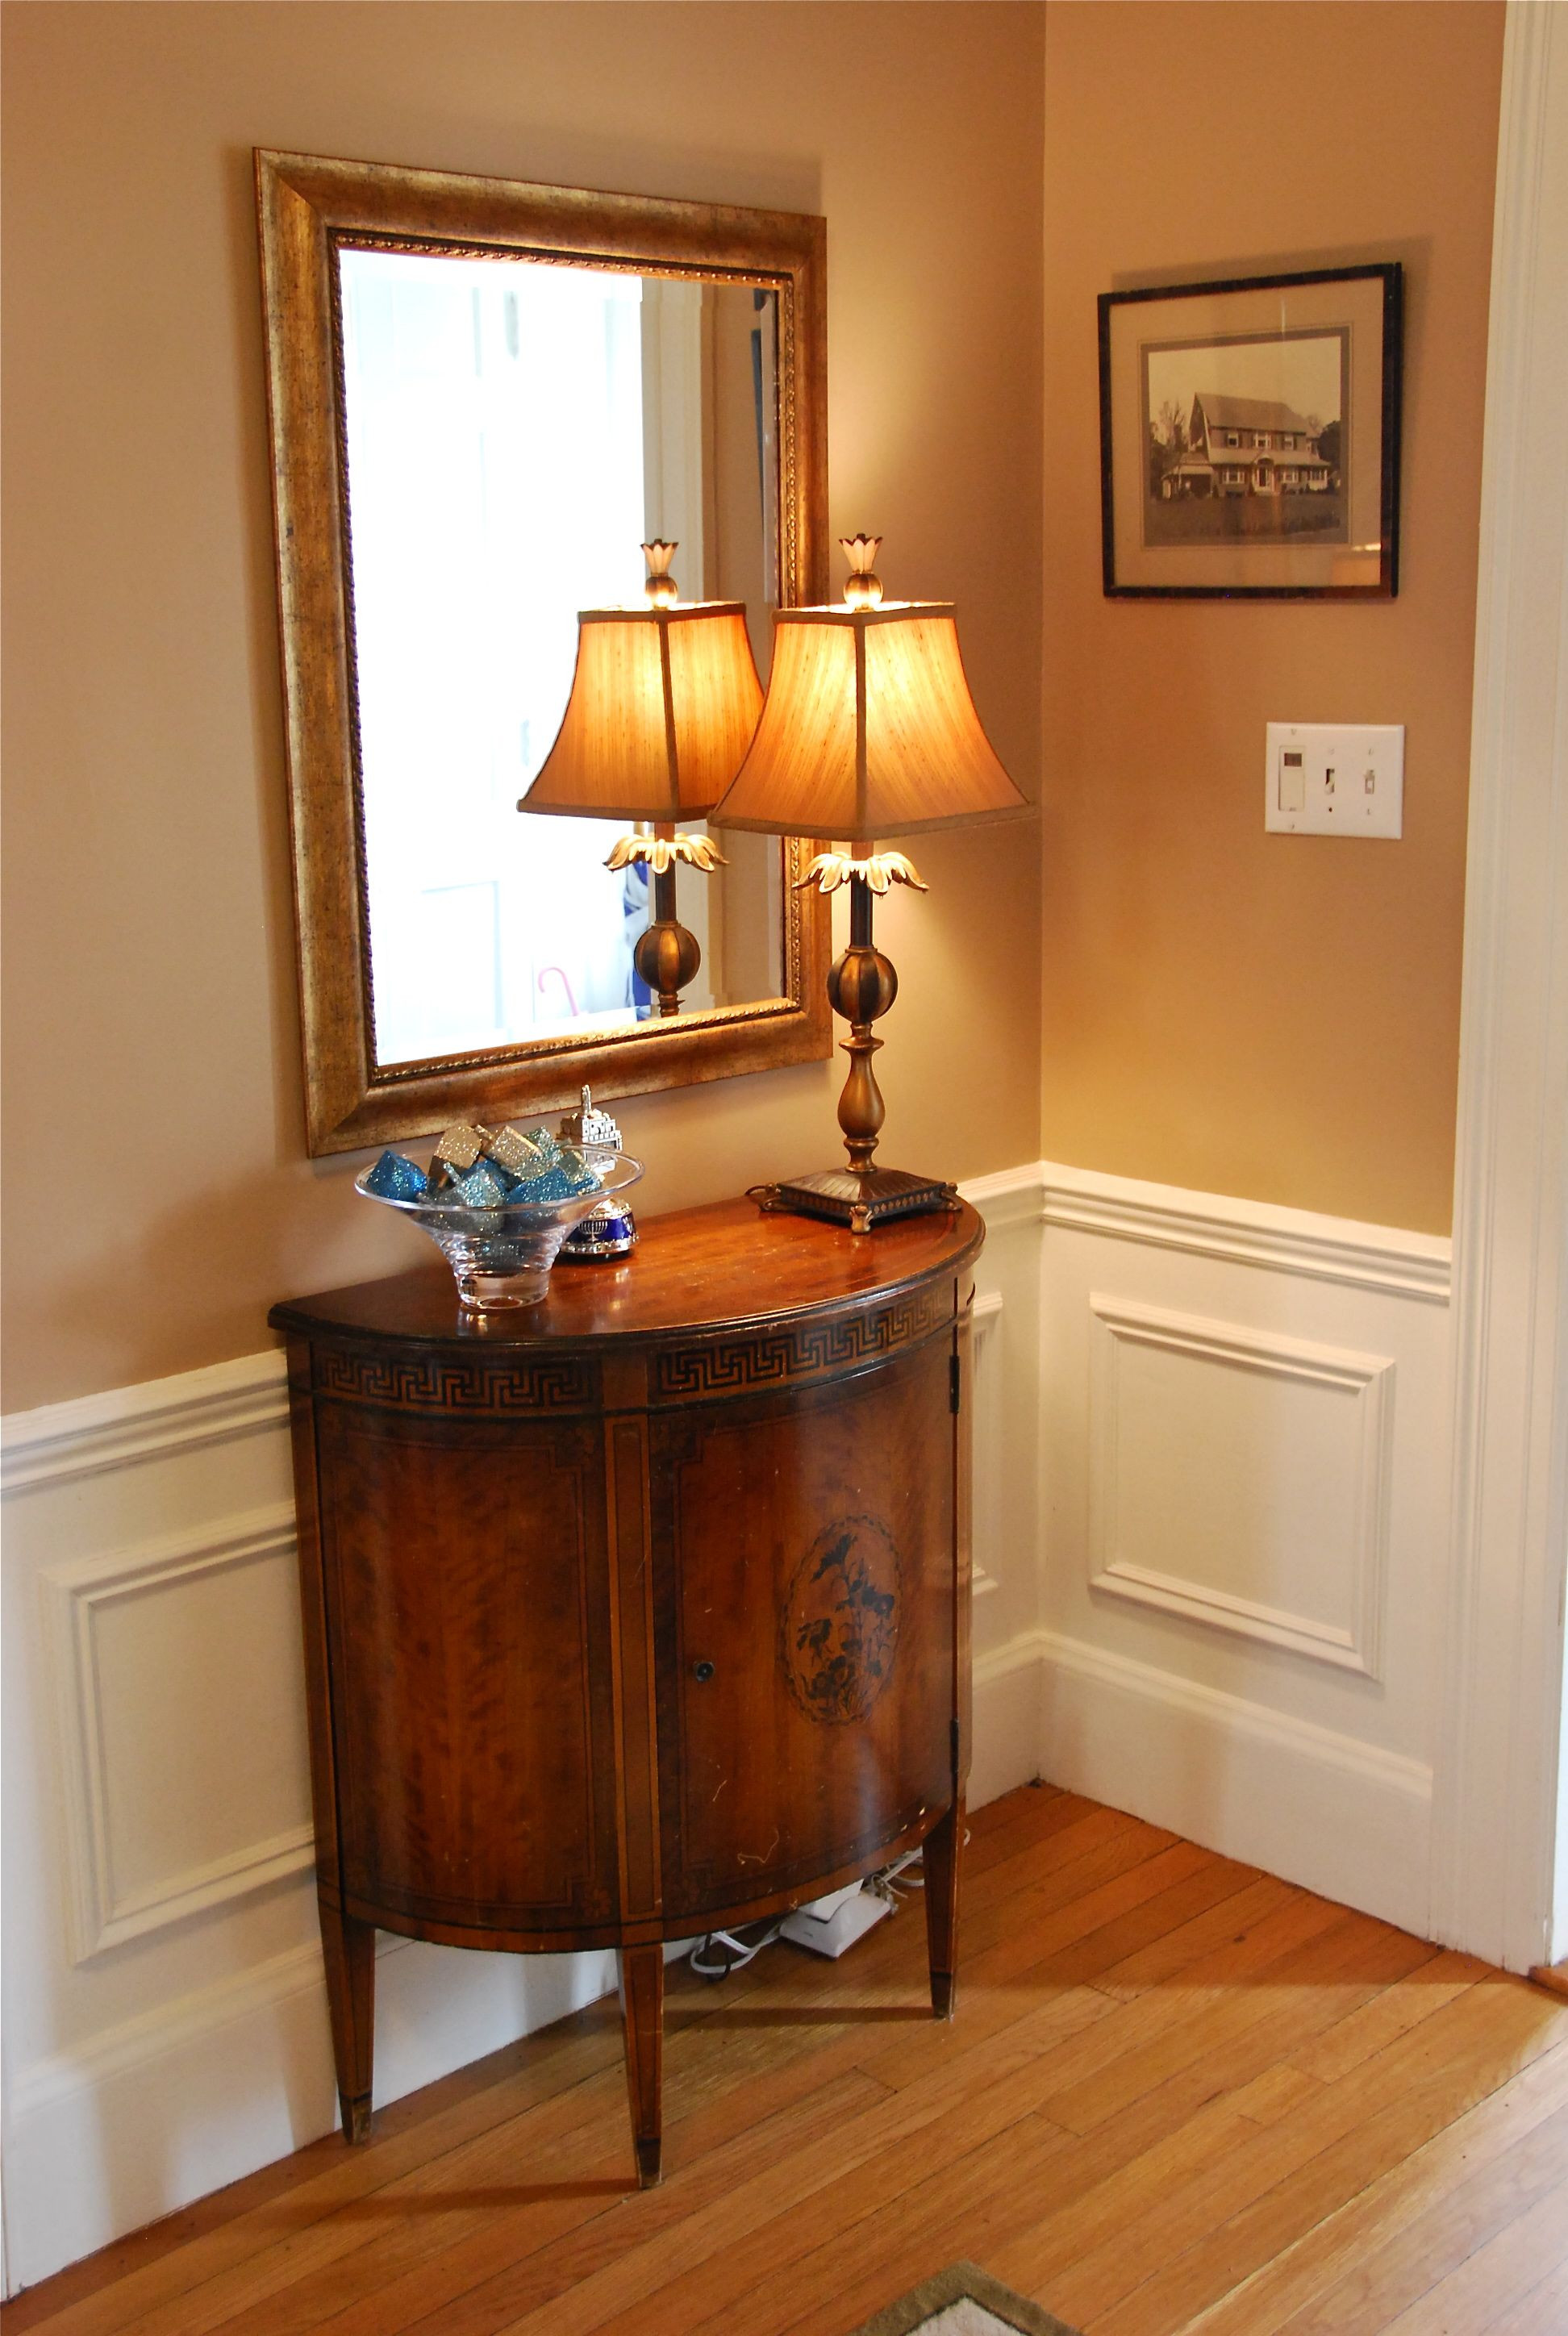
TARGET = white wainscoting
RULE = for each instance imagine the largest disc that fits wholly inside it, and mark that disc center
(165, 2025)
(1210, 1462)
(1244, 1433)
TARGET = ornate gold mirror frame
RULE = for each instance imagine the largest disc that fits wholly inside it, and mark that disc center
(309, 209)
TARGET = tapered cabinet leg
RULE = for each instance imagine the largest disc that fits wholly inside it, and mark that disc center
(940, 1862)
(350, 1947)
(642, 2016)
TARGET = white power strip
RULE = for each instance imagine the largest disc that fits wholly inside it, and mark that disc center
(828, 1925)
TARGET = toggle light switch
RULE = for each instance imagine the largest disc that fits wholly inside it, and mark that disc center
(1310, 780)
(1293, 781)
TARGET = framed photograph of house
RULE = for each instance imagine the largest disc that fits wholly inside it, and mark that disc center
(1250, 437)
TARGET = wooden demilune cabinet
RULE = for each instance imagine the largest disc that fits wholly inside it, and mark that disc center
(639, 1614)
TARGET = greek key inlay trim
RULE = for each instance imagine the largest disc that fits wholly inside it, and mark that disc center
(432, 1383)
(800, 1351)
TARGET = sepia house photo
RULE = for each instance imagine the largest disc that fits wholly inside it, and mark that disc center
(1247, 446)
(1244, 439)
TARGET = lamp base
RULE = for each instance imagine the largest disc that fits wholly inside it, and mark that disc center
(860, 1200)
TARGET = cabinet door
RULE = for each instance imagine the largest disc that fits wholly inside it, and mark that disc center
(464, 1568)
(804, 1546)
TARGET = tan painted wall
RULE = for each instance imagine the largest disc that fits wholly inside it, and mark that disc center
(159, 1194)
(1273, 1017)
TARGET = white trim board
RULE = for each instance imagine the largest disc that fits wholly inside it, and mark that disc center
(63, 1441)
(1497, 1806)
(1248, 1232)
(1309, 1803)
(1223, 1226)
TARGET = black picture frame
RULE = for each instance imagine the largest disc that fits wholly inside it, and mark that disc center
(1178, 521)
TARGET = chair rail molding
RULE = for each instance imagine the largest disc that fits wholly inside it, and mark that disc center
(1496, 1812)
(1247, 1233)
(63, 1441)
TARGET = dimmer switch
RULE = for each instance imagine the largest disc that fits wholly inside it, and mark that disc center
(1322, 780)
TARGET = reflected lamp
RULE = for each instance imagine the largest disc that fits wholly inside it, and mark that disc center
(664, 701)
(868, 730)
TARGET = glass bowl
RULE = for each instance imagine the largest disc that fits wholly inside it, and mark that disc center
(503, 1256)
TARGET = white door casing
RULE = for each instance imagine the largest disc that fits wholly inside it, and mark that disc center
(1500, 1711)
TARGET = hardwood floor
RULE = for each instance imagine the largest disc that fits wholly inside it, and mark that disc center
(1178, 2096)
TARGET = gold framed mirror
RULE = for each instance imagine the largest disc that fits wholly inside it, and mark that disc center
(484, 395)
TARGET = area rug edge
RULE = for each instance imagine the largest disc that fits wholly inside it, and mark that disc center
(959, 2281)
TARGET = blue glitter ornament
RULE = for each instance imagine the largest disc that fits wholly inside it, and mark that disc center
(482, 1188)
(396, 1178)
(554, 1184)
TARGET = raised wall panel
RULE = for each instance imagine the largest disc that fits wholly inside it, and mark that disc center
(1240, 1478)
(181, 1724)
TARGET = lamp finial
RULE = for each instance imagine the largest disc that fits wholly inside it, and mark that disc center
(660, 587)
(862, 586)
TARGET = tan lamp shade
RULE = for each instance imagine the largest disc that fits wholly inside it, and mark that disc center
(868, 730)
(663, 705)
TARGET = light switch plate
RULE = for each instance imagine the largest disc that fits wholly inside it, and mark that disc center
(1323, 778)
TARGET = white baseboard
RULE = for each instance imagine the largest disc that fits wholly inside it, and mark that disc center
(1007, 1723)
(1305, 1802)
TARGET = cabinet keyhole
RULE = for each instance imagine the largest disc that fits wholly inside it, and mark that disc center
(702, 1673)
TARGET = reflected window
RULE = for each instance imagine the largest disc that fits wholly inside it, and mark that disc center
(515, 431)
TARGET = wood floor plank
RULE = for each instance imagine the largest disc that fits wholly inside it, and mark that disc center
(733, 2275)
(1488, 2284)
(1332, 2247)
(1265, 2193)
(984, 2088)
(1163, 2055)
(1181, 2099)
(1542, 2312)
(835, 2284)
(1290, 2002)
(536, 2247)
(1389, 2277)
(1154, 1965)
(1356, 2040)
(1463, 2052)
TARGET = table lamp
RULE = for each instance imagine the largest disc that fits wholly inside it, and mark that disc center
(868, 730)
(664, 701)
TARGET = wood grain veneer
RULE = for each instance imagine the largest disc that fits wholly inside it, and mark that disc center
(641, 1613)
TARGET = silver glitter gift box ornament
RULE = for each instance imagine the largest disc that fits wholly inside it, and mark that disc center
(609, 1229)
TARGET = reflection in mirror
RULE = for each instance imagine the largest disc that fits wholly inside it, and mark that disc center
(514, 432)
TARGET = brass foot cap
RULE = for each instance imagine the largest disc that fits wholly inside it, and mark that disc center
(356, 2117)
(944, 1994)
(649, 2173)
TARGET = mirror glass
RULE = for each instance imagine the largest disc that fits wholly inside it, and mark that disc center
(514, 430)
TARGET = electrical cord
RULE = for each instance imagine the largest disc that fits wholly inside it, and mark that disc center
(718, 1952)
(733, 1951)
